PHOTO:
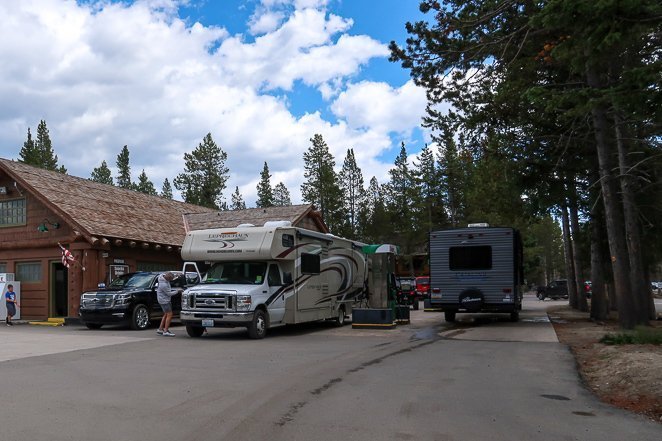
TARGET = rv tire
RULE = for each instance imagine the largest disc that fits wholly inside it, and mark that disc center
(258, 327)
(415, 304)
(195, 331)
(514, 316)
(340, 320)
(449, 316)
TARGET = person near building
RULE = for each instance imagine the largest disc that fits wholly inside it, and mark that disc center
(163, 295)
(12, 304)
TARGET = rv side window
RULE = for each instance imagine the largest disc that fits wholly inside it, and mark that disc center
(470, 258)
(288, 240)
(310, 263)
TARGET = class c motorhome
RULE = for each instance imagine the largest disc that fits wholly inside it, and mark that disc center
(476, 269)
(261, 277)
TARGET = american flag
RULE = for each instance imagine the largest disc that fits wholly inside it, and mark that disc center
(67, 257)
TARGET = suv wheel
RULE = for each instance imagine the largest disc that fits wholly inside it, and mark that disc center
(140, 317)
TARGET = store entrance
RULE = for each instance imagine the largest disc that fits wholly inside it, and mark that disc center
(59, 306)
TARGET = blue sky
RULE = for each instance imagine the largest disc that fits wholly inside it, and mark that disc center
(263, 76)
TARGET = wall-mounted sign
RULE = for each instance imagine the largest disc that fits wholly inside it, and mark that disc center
(116, 271)
(104, 254)
(119, 261)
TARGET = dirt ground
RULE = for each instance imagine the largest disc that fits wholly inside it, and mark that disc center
(626, 376)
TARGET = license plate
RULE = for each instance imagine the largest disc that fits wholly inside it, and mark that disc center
(208, 323)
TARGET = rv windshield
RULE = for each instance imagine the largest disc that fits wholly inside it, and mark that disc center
(236, 273)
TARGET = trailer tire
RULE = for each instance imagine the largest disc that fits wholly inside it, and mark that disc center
(514, 316)
(340, 320)
(258, 327)
(449, 316)
(194, 331)
(415, 304)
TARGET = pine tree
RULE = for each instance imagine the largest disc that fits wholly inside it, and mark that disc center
(205, 175)
(321, 185)
(29, 153)
(265, 196)
(281, 195)
(144, 185)
(102, 174)
(237, 200)
(429, 207)
(400, 192)
(124, 169)
(350, 180)
(377, 227)
(166, 189)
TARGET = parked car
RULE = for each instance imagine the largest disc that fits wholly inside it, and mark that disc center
(406, 292)
(555, 290)
(130, 299)
(588, 289)
(423, 286)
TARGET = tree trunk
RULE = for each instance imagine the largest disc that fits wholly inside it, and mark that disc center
(569, 258)
(599, 300)
(639, 290)
(615, 231)
(581, 302)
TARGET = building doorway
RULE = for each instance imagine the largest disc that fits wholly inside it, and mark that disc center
(59, 306)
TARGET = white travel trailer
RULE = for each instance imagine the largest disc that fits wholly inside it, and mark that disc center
(261, 277)
(476, 269)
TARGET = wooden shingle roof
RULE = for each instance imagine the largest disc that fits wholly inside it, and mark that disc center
(104, 211)
(256, 216)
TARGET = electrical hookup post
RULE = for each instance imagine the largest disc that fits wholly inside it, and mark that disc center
(380, 312)
(8, 279)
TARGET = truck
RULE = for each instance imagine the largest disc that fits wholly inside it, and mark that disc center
(476, 269)
(260, 277)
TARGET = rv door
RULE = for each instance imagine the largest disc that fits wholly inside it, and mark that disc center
(276, 289)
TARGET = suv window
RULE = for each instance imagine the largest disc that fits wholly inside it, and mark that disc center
(132, 280)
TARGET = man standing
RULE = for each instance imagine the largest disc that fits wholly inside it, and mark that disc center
(10, 299)
(163, 295)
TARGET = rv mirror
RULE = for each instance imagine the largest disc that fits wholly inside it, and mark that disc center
(287, 278)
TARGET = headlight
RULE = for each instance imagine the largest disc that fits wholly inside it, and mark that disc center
(121, 299)
(244, 303)
(185, 297)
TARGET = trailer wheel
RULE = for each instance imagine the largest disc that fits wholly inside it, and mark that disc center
(195, 331)
(514, 316)
(258, 327)
(340, 320)
(449, 316)
(415, 304)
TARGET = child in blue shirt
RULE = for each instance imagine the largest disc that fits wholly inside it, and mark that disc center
(10, 299)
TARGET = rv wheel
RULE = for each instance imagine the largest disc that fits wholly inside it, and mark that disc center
(449, 316)
(415, 305)
(258, 327)
(514, 316)
(340, 320)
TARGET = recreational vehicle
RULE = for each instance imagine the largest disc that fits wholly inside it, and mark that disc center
(476, 269)
(261, 277)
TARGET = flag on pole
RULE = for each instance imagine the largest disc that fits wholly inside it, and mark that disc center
(67, 257)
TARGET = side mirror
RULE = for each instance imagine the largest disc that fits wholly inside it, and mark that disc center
(287, 278)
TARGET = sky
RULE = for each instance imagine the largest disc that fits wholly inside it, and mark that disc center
(262, 76)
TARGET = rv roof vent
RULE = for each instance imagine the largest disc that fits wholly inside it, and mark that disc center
(281, 223)
(245, 225)
(479, 225)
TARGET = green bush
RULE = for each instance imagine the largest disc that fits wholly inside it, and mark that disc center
(641, 335)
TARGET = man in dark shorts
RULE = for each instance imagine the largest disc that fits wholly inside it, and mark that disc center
(10, 300)
(163, 295)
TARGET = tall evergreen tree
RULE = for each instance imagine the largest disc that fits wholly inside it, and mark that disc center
(452, 175)
(144, 185)
(205, 175)
(265, 196)
(166, 189)
(428, 202)
(321, 185)
(40, 152)
(123, 178)
(400, 194)
(350, 180)
(102, 174)
(377, 227)
(281, 195)
(237, 200)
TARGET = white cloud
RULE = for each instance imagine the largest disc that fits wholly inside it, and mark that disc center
(103, 75)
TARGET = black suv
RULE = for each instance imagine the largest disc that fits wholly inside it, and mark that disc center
(130, 299)
(554, 290)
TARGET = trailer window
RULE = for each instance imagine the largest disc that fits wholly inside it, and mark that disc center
(288, 240)
(470, 258)
(310, 263)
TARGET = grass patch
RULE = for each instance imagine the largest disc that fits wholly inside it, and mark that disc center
(641, 335)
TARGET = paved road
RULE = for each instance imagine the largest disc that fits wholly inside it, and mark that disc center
(486, 380)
